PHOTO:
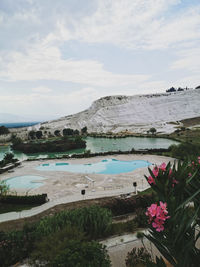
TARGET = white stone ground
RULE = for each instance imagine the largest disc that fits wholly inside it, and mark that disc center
(61, 184)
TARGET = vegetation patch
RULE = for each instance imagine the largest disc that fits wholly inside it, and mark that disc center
(61, 145)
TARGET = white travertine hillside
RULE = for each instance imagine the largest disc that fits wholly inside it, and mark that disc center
(136, 114)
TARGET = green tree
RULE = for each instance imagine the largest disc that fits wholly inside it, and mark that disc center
(68, 131)
(152, 130)
(4, 188)
(3, 130)
(84, 254)
(16, 140)
(57, 132)
(31, 134)
(39, 134)
(76, 132)
(9, 157)
(84, 130)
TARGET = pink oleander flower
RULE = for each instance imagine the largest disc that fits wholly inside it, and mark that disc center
(157, 215)
(151, 180)
(163, 166)
(189, 174)
(155, 171)
(199, 160)
(152, 210)
(158, 224)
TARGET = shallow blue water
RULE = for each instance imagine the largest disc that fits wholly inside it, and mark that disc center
(24, 182)
(109, 166)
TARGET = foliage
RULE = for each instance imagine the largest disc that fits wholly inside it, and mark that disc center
(71, 248)
(32, 199)
(61, 145)
(45, 249)
(84, 130)
(82, 254)
(38, 134)
(152, 130)
(138, 257)
(3, 130)
(140, 218)
(31, 134)
(8, 158)
(94, 221)
(68, 131)
(184, 150)
(57, 132)
(176, 185)
(14, 246)
(120, 206)
(16, 140)
(4, 188)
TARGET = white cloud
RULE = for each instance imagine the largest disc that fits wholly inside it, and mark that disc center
(189, 59)
(44, 62)
(42, 89)
(134, 24)
(55, 104)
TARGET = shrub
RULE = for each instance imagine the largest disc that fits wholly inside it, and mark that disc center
(94, 221)
(172, 224)
(32, 199)
(84, 254)
(138, 256)
(45, 248)
(120, 206)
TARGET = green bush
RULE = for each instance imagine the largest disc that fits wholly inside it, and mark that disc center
(45, 248)
(119, 206)
(32, 199)
(14, 246)
(94, 221)
(184, 150)
(138, 257)
(82, 254)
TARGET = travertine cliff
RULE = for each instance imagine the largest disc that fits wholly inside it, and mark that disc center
(134, 113)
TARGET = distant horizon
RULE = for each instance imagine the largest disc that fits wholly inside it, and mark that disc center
(19, 124)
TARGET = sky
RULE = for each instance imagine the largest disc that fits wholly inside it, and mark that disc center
(57, 57)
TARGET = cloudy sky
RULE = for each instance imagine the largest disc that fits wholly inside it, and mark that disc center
(56, 57)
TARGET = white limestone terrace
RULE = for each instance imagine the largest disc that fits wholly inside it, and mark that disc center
(135, 114)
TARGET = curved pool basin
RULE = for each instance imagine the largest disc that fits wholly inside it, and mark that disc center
(106, 166)
(25, 182)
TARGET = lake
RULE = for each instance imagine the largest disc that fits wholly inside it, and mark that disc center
(102, 145)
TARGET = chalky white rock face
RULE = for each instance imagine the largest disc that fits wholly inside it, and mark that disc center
(136, 114)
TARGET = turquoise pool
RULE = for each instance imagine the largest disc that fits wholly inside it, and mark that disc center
(24, 182)
(106, 166)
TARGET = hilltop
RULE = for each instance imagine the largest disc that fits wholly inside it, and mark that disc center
(135, 114)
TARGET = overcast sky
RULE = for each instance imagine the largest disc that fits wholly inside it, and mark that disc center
(57, 56)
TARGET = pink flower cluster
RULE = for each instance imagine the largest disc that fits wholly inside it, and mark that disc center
(157, 215)
(155, 172)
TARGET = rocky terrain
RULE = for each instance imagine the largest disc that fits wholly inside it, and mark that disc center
(135, 114)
